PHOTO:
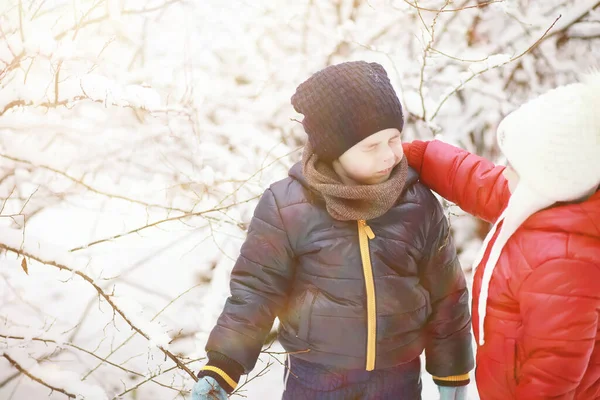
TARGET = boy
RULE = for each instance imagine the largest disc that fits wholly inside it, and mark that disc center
(353, 255)
(536, 293)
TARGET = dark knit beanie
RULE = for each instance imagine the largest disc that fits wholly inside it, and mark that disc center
(345, 103)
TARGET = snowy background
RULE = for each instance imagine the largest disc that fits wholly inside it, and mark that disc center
(136, 136)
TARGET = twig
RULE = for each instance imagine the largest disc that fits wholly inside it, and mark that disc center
(12, 104)
(102, 294)
(35, 378)
(537, 42)
(21, 21)
(106, 16)
(50, 104)
(75, 347)
(151, 377)
(421, 18)
(451, 20)
(16, 61)
(56, 81)
(273, 353)
(133, 334)
(258, 172)
(27, 201)
(151, 9)
(458, 58)
(561, 28)
(462, 84)
(480, 5)
(9, 379)
(84, 16)
(280, 353)
(162, 221)
(258, 375)
(6, 201)
(90, 188)
(187, 215)
(425, 56)
(39, 7)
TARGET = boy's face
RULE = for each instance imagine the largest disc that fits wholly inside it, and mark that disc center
(371, 160)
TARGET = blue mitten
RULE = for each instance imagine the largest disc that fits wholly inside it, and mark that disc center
(207, 388)
(453, 392)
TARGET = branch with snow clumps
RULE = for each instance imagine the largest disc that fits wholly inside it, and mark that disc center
(12, 241)
(102, 90)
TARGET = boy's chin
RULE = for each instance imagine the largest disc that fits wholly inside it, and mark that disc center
(374, 180)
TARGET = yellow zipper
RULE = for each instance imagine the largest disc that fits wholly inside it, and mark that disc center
(365, 233)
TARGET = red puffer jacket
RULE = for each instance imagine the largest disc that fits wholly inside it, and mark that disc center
(542, 326)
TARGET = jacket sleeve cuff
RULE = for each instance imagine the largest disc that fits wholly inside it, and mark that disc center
(223, 369)
(416, 154)
(455, 380)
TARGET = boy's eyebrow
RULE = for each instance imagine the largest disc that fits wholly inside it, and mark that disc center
(376, 142)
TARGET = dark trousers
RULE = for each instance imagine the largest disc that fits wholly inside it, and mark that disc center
(308, 381)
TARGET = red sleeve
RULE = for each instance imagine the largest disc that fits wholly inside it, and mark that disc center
(473, 183)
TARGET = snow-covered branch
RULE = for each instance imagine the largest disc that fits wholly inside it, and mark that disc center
(106, 296)
(163, 221)
(92, 189)
(492, 62)
(22, 370)
(91, 353)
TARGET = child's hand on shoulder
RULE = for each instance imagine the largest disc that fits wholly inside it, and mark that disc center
(406, 147)
(414, 153)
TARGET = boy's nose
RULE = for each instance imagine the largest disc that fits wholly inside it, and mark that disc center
(389, 156)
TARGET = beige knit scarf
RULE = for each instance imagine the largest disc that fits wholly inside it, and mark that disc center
(352, 202)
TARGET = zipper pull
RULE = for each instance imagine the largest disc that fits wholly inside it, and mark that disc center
(367, 229)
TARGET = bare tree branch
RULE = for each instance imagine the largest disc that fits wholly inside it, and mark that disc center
(218, 208)
(151, 9)
(88, 22)
(162, 221)
(56, 81)
(15, 63)
(133, 334)
(151, 377)
(559, 29)
(425, 56)
(105, 296)
(92, 189)
(9, 379)
(249, 379)
(35, 378)
(84, 16)
(91, 353)
(21, 33)
(474, 75)
(444, 10)
(6, 201)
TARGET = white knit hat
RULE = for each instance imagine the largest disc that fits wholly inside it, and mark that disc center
(553, 143)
